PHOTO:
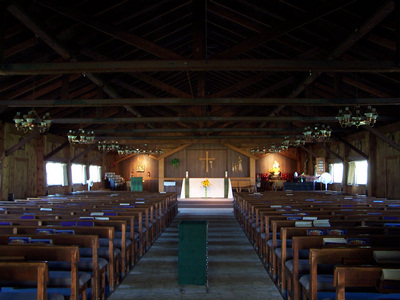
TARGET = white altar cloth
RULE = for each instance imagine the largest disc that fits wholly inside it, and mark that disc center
(214, 190)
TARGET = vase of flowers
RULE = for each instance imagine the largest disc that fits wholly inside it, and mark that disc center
(205, 183)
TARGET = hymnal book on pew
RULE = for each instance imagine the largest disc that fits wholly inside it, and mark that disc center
(124, 204)
(276, 206)
(390, 274)
(65, 231)
(19, 240)
(303, 224)
(328, 241)
(387, 256)
(46, 209)
(310, 218)
(41, 241)
(102, 218)
(86, 218)
(46, 230)
(358, 241)
(97, 214)
(321, 223)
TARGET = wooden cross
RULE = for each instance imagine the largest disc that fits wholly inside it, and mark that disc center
(207, 160)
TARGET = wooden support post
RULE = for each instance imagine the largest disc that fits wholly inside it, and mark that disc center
(161, 175)
(252, 171)
(40, 167)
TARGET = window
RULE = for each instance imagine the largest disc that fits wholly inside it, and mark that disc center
(56, 174)
(358, 172)
(78, 174)
(95, 173)
(336, 171)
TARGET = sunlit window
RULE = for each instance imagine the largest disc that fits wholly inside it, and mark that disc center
(56, 174)
(95, 173)
(336, 171)
(358, 172)
(78, 173)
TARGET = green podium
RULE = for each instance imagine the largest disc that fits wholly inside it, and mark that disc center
(136, 184)
(192, 258)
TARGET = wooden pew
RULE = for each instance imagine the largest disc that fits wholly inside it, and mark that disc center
(84, 241)
(363, 277)
(339, 256)
(102, 232)
(27, 272)
(56, 253)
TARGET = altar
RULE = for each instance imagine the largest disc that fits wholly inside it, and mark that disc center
(216, 189)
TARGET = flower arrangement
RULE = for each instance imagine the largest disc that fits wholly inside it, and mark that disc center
(175, 162)
(205, 182)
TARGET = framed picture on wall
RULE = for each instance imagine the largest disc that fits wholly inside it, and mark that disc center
(140, 168)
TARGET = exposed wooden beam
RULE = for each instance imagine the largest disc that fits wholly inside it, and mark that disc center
(292, 24)
(87, 150)
(252, 65)
(97, 158)
(22, 142)
(198, 101)
(308, 151)
(329, 150)
(202, 130)
(174, 151)
(191, 119)
(55, 151)
(366, 156)
(383, 137)
(110, 30)
(18, 12)
(240, 151)
(347, 43)
(52, 42)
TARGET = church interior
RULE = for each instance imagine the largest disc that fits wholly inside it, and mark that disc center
(261, 136)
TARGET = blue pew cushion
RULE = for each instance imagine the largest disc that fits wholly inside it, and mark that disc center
(325, 282)
(21, 295)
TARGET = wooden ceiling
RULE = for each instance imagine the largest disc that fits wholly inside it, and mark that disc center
(168, 73)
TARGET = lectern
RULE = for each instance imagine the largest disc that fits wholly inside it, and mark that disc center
(136, 184)
(192, 257)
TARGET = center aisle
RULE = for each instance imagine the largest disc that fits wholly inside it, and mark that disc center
(234, 269)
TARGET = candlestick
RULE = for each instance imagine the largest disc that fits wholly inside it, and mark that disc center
(226, 173)
(187, 174)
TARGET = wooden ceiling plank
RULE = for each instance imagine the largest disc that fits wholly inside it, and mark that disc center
(112, 31)
(174, 151)
(238, 86)
(284, 28)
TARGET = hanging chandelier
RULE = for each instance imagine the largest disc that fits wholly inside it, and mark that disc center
(108, 146)
(32, 121)
(132, 150)
(80, 137)
(319, 133)
(347, 118)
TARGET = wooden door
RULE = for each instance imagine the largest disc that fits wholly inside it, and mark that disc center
(392, 177)
(19, 179)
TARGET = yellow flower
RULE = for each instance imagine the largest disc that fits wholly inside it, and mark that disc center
(205, 182)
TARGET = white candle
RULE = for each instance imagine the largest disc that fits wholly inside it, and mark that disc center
(187, 174)
(226, 173)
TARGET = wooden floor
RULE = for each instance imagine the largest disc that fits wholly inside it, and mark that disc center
(235, 271)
